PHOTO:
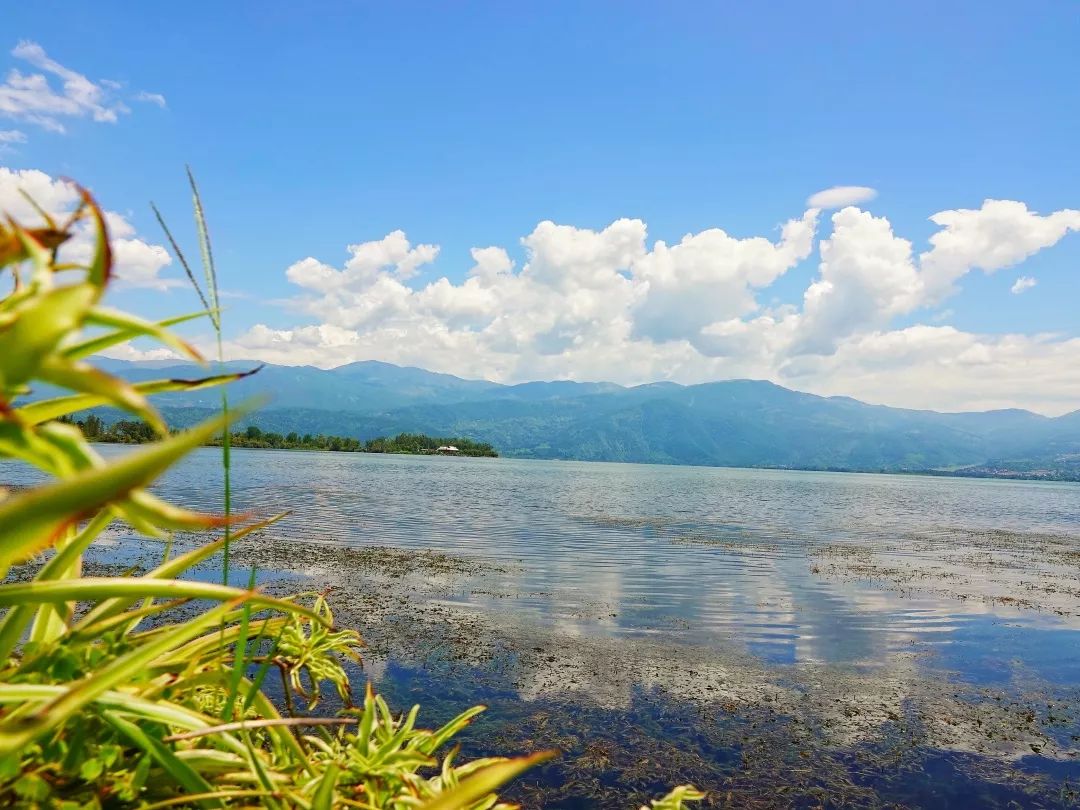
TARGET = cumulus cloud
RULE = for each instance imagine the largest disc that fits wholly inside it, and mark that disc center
(56, 93)
(865, 278)
(490, 262)
(947, 368)
(841, 197)
(1000, 234)
(711, 277)
(868, 275)
(138, 263)
(609, 304)
(1022, 284)
(369, 290)
(606, 304)
(125, 351)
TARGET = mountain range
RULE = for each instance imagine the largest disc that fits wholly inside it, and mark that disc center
(746, 423)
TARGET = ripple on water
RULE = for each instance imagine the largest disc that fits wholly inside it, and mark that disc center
(810, 567)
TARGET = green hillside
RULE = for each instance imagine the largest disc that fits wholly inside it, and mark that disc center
(731, 423)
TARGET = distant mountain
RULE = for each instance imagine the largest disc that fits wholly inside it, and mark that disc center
(732, 423)
(365, 387)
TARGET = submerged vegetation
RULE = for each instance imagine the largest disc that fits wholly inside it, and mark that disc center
(148, 689)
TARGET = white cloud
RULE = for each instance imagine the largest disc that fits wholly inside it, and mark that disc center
(369, 291)
(490, 262)
(711, 277)
(8, 139)
(57, 93)
(125, 351)
(138, 263)
(151, 98)
(55, 196)
(366, 262)
(605, 304)
(946, 368)
(1022, 284)
(1000, 234)
(841, 196)
(866, 277)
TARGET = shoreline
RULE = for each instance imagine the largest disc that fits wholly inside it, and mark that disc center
(630, 713)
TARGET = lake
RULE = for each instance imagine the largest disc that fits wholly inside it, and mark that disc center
(782, 638)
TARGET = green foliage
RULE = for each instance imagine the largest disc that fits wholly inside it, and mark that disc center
(146, 690)
(420, 443)
(125, 431)
(414, 443)
(676, 799)
(122, 431)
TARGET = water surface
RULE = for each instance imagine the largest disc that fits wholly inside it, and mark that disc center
(831, 589)
(701, 553)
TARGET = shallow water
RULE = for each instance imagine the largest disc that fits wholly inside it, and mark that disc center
(700, 553)
(689, 552)
(960, 579)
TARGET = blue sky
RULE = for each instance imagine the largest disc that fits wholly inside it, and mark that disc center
(467, 125)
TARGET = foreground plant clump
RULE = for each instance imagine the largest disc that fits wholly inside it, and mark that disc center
(148, 690)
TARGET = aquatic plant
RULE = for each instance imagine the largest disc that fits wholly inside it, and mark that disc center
(148, 689)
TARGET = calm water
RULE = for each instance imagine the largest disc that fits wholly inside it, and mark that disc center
(690, 552)
(700, 556)
(635, 549)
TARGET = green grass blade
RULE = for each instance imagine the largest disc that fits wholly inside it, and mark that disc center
(40, 324)
(83, 633)
(241, 650)
(212, 286)
(217, 794)
(260, 772)
(95, 345)
(15, 733)
(35, 413)
(174, 568)
(144, 509)
(184, 263)
(18, 618)
(33, 520)
(262, 671)
(324, 793)
(210, 645)
(440, 737)
(484, 781)
(100, 267)
(86, 379)
(90, 588)
(204, 242)
(184, 775)
(124, 703)
(100, 316)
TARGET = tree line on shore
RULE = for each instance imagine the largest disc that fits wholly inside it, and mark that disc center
(133, 431)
